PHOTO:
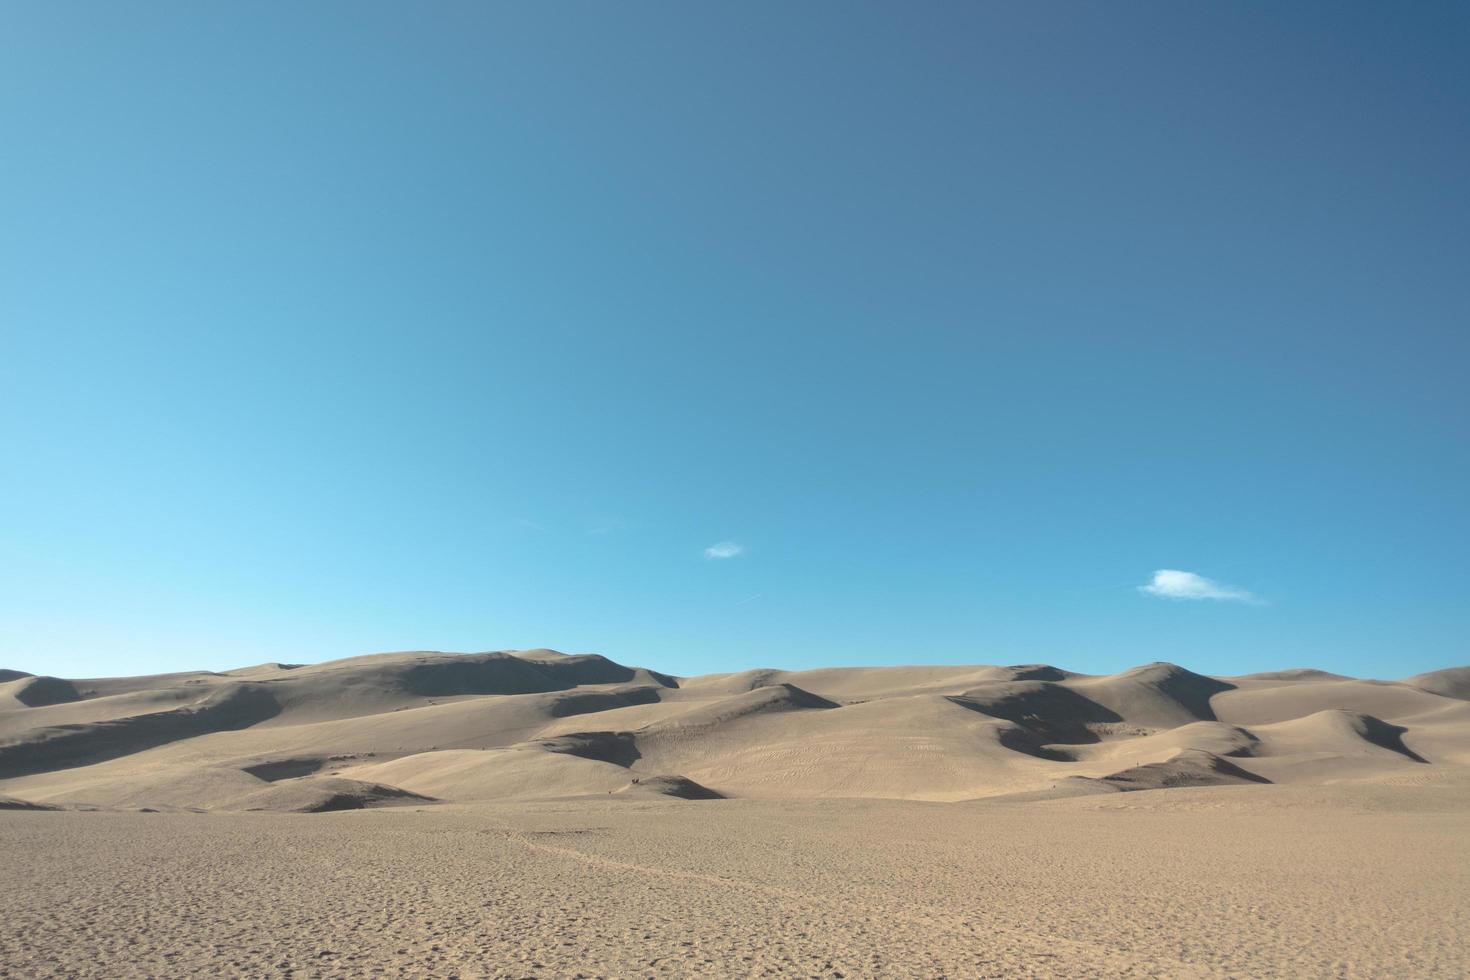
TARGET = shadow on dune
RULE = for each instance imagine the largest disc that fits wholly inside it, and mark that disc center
(678, 787)
(68, 746)
(618, 748)
(329, 795)
(1386, 736)
(1190, 690)
(1052, 712)
(589, 702)
(501, 673)
(41, 692)
(11, 803)
(279, 769)
(1190, 767)
(1026, 741)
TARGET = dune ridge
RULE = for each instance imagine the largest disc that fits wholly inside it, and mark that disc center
(422, 727)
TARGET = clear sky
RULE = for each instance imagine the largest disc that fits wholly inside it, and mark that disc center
(330, 328)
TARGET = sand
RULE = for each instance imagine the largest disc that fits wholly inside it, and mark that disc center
(533, 814)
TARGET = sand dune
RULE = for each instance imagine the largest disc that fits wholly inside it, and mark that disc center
(525, 813)
(1191, 767)
(542, 724)
(497, 774)
(324, 796)
(675, 786)
(36, 692)
(1334, 732)
(1453, 682)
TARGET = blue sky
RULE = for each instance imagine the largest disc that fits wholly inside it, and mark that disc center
(340, 327)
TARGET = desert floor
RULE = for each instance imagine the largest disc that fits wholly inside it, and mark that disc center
(1251, 881)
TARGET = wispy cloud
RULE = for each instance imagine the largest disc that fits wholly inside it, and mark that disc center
(724, 549)
(1170, 583)
(749, 598)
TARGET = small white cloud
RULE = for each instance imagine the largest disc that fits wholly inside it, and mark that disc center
(724, 549)
(1170, 583)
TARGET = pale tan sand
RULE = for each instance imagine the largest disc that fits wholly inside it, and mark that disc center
(528, 813)
(1248, 882)
(538, 724)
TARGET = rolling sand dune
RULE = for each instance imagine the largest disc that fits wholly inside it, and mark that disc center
(889, 777)
(540, 724)
(1452, 683)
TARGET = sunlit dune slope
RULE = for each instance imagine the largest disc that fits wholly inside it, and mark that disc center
(423, 727)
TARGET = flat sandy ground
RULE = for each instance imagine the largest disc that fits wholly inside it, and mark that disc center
(1220, 881)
